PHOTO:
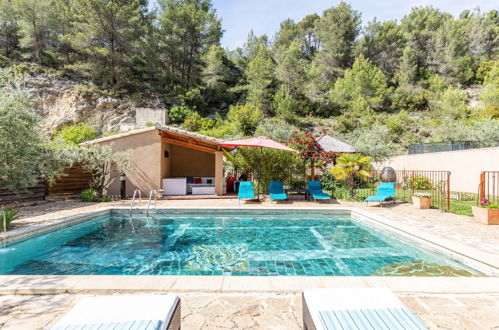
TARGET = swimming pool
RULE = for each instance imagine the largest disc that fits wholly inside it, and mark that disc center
(224, 242)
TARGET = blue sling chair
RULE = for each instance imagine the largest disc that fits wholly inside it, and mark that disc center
(385, 191)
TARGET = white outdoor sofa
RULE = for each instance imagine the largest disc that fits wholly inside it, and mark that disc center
(370, 308)
(144, 312)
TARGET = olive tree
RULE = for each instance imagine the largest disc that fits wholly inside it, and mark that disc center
(25, 154)
(103, 164)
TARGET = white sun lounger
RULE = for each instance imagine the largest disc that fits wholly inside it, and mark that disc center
(370, 308)
(151, 312)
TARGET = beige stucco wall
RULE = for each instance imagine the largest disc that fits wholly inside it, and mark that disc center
(189, 162)
(465, 165)
(146, 164)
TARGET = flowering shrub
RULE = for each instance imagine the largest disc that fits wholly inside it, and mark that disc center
(309, 150)
(421, 194)
(485, 203)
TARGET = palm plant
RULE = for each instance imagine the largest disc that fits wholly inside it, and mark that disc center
(351, 167)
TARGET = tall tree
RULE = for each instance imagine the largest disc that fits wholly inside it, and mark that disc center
(35, 19)
(291, 69)
(306, 28)
(336, 30)
(383, 43)
(106, 33)
(215, 70)
(9, 30)
(259, 75)
(362, 90)
(188, 28)
(288, 32)
(420, 27)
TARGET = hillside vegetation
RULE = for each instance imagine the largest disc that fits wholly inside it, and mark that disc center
(378, 85)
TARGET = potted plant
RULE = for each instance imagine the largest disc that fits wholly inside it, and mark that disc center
(487, 213)
(421, 200)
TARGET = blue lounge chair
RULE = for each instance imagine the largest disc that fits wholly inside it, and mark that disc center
(315, 190)
(246, 190)
(385, 191)
(276, 191)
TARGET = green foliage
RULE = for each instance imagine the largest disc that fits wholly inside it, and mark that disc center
(195, 122)
(452, 103)
(274, 165)
(276, 129)
(76, 133)
(374, 141)
(103, 164)
(337, 30)
(10, 215)
(336, 188)
(284, 106)
(246, 118)
(108, 34)
(362, 89)
(420, 183)
(259, 74)
(25, 156)
(178, 113)
(91, 195)
(352, 167)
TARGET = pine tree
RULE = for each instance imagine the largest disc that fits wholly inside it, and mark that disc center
(107, 33)
(336, 30)
(259, 75)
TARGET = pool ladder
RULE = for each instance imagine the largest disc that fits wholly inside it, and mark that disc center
(155, 192)
(136, 191)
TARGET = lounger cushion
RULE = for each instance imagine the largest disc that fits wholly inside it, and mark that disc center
(377, 198)
(369, 308)
(120, 312)
(319, 195)
(278, 197)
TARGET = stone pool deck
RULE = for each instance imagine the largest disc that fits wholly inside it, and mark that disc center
(31, 302)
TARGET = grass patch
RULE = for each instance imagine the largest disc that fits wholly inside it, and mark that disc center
(462, 207)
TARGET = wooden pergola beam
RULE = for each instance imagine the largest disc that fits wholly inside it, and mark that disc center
(191, 145)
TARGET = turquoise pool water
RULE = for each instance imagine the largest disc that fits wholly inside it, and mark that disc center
(257, 243)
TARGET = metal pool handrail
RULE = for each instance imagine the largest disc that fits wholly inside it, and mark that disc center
(133, 199)
(155, 192)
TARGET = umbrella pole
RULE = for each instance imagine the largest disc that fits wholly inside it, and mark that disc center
(259, 173)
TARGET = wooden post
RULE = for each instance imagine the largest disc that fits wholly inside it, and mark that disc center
(312, 171)
(448, 191)
(482, 185)
(412, 185)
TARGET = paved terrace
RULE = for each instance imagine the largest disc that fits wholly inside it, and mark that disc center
(234, 303)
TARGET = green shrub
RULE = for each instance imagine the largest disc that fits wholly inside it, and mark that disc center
(91, 195)
(246, 118)
(178, 113)
(195, 122)
(10, 215)
(420, 183)
(77, 133)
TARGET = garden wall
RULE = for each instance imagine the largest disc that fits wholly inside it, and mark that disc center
(31, 194)
(74, 181)
(465, 165)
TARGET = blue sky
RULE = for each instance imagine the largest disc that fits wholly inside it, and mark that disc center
(264, 16)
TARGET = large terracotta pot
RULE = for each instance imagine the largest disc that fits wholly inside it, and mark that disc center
(421, 202)
(388, 174)
(486, 216)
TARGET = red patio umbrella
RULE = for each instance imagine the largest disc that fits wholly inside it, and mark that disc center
(258, 142)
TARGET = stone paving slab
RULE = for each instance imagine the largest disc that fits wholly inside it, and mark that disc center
(259, 311)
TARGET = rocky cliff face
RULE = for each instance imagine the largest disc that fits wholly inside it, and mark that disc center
(60, 102)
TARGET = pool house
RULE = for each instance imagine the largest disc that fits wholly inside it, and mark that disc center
(169, 159)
